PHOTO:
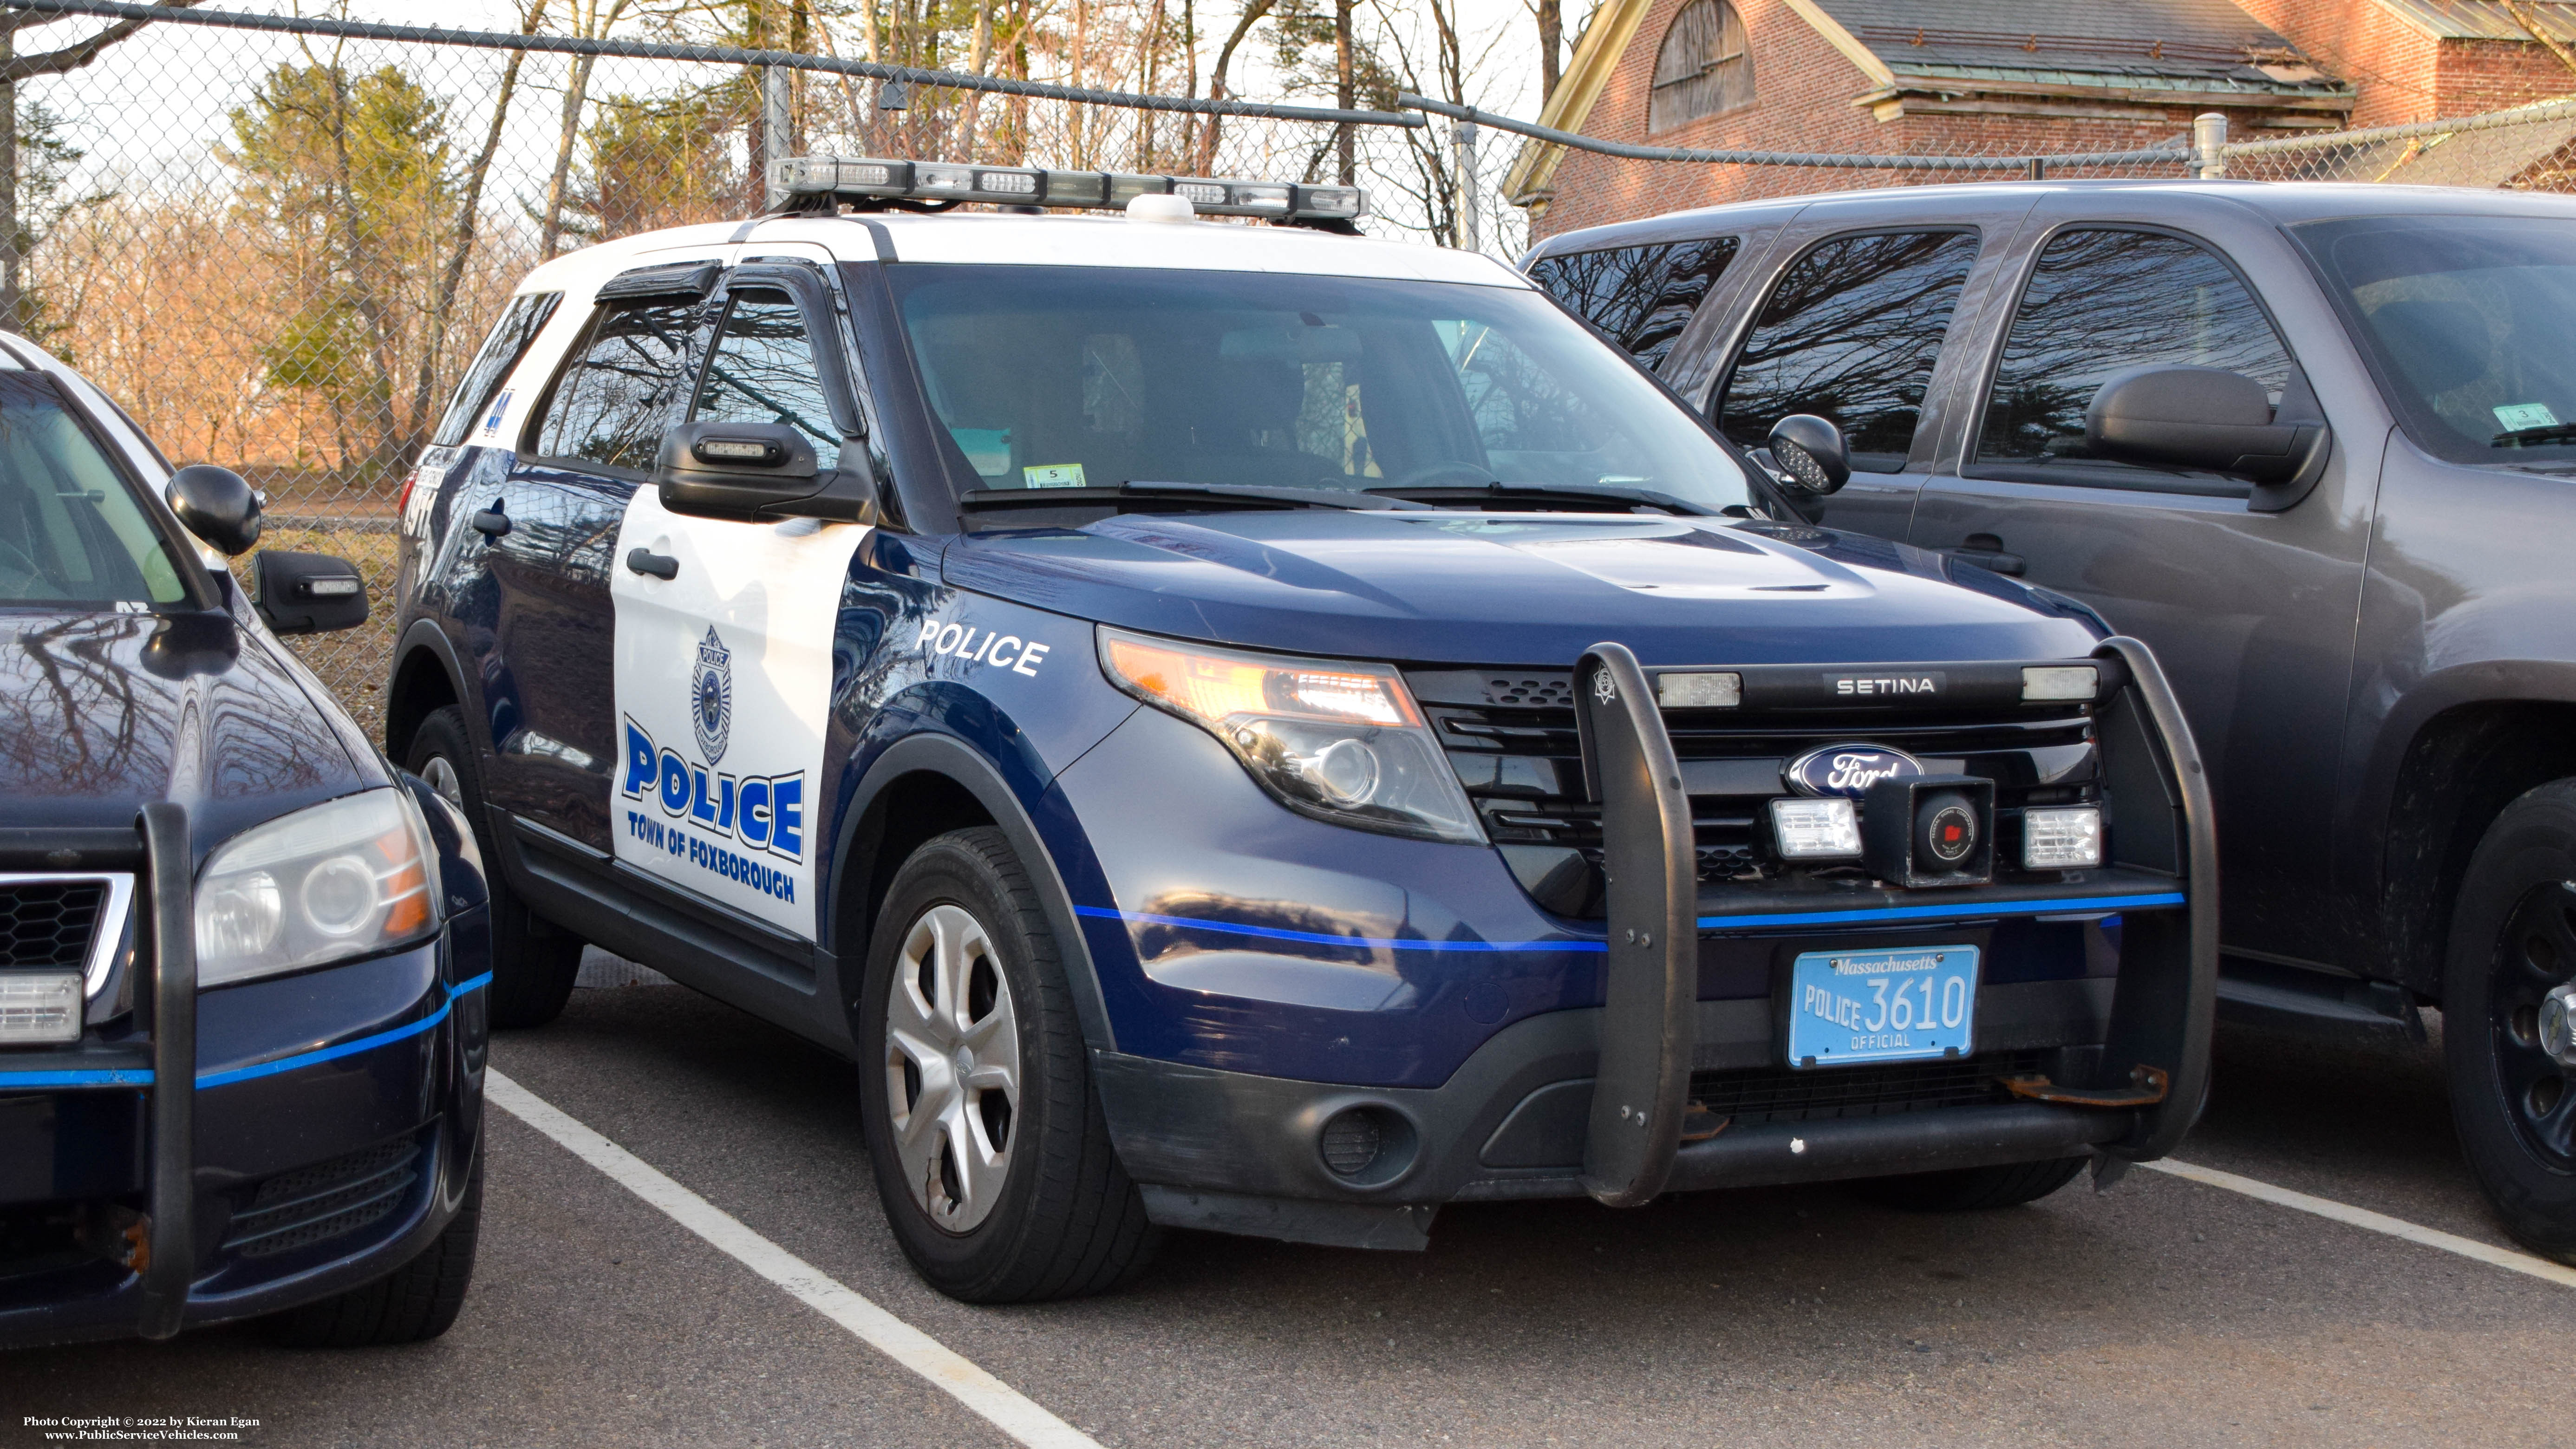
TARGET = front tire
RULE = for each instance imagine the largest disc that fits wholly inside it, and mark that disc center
(991, 1155)
(533, 962)
(2513, 942)
(1972, 1189)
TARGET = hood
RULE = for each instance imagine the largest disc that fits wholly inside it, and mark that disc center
(1531, 590)
(100, 713)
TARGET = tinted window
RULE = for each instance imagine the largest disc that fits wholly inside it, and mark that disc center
(491, 367)
(1850, 333)
(71, 529)
(762, 371)
(2100, 301)
(2472, 321)
(1047, 377)
(1641, 296)
(623, 388)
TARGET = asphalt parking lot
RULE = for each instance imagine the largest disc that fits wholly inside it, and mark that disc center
(2165, 1312)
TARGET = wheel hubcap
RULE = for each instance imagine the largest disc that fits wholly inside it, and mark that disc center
(441, 777)
(2533, 1022)
(952, 1066)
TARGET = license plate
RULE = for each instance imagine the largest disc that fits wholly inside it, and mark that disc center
(1881, 1006)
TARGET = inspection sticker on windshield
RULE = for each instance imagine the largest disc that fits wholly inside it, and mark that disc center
(1053, 475)
(1881, 1006)
(2517, 416)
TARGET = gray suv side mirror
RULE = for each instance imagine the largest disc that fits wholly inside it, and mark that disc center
(216, 505)
(746, 471)
(2202, 417)
(1811, 451)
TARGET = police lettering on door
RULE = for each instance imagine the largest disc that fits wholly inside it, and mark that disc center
(729, 825)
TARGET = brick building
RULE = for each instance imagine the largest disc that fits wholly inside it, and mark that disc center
(1997, 77)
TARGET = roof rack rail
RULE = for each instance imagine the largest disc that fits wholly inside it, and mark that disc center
(874, 183)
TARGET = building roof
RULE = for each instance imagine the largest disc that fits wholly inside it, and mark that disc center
(2484, 19)
(2195, 47)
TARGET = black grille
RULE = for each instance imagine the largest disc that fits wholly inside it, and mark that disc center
(327, 1200)
(1515, 749)
(49, 923)
(1778, 1094)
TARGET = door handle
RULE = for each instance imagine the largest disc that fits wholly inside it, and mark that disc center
(492, 522)
(659, 565)
(1986, 551)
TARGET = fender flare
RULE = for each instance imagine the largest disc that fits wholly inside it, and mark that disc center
(946, 756)
(425, 634)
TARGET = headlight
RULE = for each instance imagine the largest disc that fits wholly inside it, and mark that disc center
(344, 878)
(1339, 741)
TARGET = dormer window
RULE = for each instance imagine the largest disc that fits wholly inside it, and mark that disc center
(1702, 67)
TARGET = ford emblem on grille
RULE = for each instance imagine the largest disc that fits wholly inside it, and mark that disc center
(1848, 769)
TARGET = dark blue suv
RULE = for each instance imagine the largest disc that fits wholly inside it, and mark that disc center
(1247, 728)
(242, 959)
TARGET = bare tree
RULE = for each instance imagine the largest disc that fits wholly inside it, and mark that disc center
(13, 69)
(591, 20)
(1551, 46)
(442, 307)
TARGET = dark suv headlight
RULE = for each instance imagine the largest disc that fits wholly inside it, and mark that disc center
(1337, 740)
(348, 877)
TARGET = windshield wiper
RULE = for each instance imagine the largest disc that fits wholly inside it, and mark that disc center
(1223, 494)
(2545, 433)
(1550, 492)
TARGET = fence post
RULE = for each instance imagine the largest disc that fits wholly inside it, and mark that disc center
(773, 128)
(2208, 145)
(1470, 220)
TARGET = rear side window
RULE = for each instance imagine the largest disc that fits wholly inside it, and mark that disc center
(625, 385)
(1850, 334)
(1641, 296)
(71, 529)
(501, 352)
(2099, 301)
(763, 371)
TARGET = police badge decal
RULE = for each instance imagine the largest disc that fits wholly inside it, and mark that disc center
(711, 697)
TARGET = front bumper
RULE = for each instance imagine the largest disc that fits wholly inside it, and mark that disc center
(2111, 1062)
(328, 1137)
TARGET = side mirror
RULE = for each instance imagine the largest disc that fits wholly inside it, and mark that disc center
(308, 593)
(747, 471)
(216, 505)
(1812, 452)
(2205, 418)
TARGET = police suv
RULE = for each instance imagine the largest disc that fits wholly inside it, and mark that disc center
(1251, 728)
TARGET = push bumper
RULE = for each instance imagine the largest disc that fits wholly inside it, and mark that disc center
(2110, 1065)
(285, 1173)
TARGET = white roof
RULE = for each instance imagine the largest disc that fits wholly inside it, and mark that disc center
(1052, 240)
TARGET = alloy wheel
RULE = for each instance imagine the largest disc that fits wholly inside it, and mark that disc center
(441, 777)
(952, 1063)
(2528, 1023)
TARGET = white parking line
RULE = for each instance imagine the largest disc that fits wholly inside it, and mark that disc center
(1006, 1408)
(2506, 1258)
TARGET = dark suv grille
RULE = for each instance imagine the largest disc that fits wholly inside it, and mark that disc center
(49, 923)
(1511, 737)
(324, 1201)
(1778, 1094)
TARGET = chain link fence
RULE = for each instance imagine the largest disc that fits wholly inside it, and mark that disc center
(277, 241)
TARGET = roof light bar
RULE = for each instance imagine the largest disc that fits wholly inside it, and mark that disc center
(873, 179)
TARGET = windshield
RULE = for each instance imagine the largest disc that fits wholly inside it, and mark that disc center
(71, 531)
(1065, 377)
(2472, 321)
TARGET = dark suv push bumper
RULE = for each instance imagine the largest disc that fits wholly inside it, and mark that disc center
(283, 1172)
(2110, 1064)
